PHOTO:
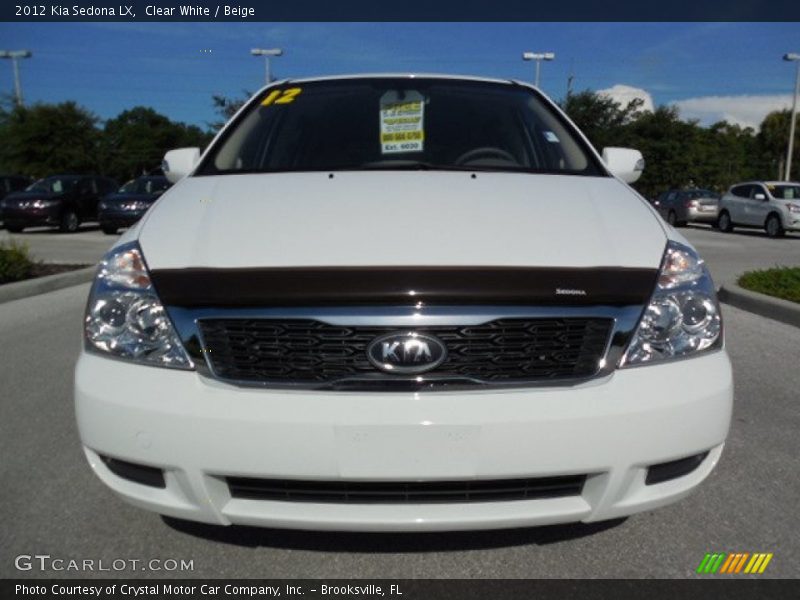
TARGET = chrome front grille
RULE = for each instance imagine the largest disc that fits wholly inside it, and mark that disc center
(309, 352)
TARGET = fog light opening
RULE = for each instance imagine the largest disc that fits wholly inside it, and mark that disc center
(673, 469)
(150, 476)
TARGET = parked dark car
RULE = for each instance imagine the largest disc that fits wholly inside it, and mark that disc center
(678, 207)
(13, 183)
(129, 203)
(9, 184)
(63, 201)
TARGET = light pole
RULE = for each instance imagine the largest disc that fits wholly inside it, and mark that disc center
(267, 53)
(15, 55)
(538, 57)
(796, 59)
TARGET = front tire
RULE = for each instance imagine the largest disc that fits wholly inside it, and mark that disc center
(672, 218)
(108, 230)
(773, 226)
(724, 222)
(69, 222)
(14, 228)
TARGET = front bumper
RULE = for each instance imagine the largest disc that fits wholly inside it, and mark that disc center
(31, 217)
(200, 431)
(791, 221)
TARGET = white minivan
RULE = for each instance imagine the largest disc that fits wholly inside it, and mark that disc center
(402, 302)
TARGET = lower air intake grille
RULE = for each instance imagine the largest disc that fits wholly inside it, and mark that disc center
(396, 492)
(305, 351)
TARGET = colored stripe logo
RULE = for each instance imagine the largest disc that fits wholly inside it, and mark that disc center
(734, 563)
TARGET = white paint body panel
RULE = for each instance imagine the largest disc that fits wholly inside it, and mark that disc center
(401, 218)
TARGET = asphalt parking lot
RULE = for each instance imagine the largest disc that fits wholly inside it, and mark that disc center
(51, 503)
(728, 255)
(87, 246)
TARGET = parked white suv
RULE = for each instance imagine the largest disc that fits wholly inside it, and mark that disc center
(402, 303)
(773, 205)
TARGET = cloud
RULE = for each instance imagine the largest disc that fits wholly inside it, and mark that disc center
(624, 94)
(747, 111)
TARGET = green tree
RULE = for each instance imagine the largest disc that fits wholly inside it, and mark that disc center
(136, 140)
(773, 139)
(736, 154)
(226, 107)
(601, 118)
(49, 138)
(671, 148)
(682, 153)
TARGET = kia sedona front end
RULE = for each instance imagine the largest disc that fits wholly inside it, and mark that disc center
(377, 324)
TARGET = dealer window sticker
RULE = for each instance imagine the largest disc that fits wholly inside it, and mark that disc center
(402, 118)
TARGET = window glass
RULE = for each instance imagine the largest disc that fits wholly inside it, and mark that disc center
(53, 185)
(129, 187)
(785, 192)
(742, 191)
(402, 123)
(153, 186)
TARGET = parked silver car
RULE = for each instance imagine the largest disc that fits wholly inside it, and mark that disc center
(678, 207)
(773, 205)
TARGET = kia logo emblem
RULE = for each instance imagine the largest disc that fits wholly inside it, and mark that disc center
(406, 352)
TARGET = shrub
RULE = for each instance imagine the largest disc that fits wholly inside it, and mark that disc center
(15, 263)
(781, 282)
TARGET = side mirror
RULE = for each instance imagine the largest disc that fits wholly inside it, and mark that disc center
(760, 197)
(179, 163)
(625, 163)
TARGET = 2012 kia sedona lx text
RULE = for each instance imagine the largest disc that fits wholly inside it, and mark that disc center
(402, 303)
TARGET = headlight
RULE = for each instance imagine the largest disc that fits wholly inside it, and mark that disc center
(125, 318)
(683, 316)
(43, 203)
(795, 208)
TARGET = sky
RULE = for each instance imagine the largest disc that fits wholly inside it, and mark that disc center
(710, 71)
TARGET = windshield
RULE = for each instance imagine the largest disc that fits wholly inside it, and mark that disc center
(785, 192)
(53, 185)
(131, 187)
(144, 185)
(399, 123)
(694, 194)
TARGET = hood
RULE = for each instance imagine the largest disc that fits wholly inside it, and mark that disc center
(395, 218)
(22, 196)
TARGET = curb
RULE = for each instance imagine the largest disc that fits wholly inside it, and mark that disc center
(42, 285)
(760, 304)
